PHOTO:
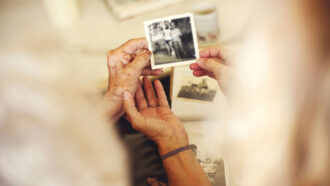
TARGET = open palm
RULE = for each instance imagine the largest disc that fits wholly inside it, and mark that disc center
(151, 114)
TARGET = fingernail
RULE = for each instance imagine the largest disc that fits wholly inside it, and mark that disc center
(126, 95)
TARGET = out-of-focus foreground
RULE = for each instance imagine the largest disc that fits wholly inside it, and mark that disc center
(275, 130)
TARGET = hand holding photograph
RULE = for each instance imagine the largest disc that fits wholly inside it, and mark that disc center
(172, 41)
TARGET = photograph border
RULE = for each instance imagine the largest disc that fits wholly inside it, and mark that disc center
(193, 31)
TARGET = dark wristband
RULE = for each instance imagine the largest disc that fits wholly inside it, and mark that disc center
(176, 151)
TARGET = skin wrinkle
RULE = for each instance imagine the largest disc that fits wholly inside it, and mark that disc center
(125, 77)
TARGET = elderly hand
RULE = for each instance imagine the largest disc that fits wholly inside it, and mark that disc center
(152, 116)
(213, 64)
(125, 65)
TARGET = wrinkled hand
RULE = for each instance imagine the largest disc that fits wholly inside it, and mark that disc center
(152, 116)
(213, 64)
(125, 65)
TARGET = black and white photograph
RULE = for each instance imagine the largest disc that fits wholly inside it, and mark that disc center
(172, 41)
(213, 167)
(197, 89)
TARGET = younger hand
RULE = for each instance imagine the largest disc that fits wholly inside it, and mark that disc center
(213, 64)
(151, 115)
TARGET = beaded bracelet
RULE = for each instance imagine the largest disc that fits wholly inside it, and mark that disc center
(176, 151)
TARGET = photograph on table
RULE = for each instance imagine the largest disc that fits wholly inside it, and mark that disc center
(201, 89)
(214, 167)
(172, 41)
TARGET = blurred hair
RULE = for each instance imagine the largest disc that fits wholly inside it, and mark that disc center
(279, 125)
(50, 132)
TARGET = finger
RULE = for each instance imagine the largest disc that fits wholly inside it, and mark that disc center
(139, 63)
(150, 72)
(152, 182)
(136, 119)
(140, 99)
(133, 45)
(194, 66)
(162, 99)
(213, 52)
(150, 93)
(199, 73)
(140, 51)
(210, 65)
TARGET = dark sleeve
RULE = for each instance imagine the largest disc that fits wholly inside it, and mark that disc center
(144, 158)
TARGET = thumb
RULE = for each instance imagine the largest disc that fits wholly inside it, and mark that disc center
(140, 61)
(210, 64)
(132, 113)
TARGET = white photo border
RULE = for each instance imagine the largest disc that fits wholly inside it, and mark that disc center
(193, 31)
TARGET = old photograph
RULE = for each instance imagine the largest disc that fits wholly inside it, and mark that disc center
(213, 167)
(197, 89)
(172, 41)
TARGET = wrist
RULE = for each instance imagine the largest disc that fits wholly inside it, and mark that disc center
(115, 97)
(112, 106)
(170, 143)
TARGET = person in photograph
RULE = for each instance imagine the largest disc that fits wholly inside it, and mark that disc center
(157, 37)
(160, 37)
(168, 38)
(153, 35)
(177, 42)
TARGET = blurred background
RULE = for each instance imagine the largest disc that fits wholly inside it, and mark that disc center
(83, 31)
(279, 68)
